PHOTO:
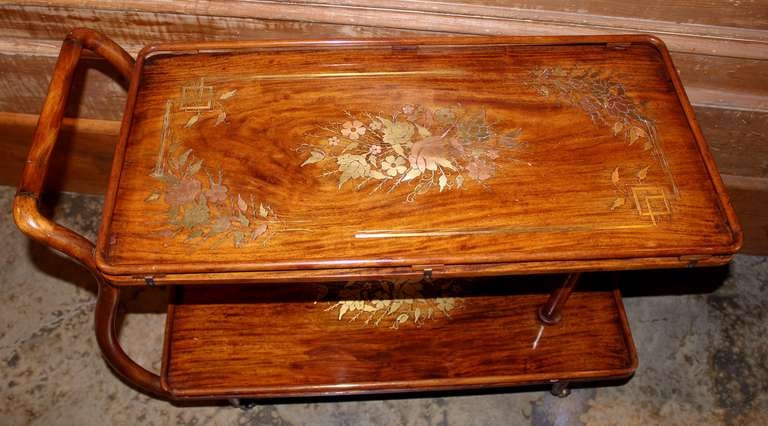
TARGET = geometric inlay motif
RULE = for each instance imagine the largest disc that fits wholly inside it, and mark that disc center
(196, 97)
(651, 201)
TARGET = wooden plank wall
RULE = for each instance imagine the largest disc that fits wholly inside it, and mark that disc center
(720, 48)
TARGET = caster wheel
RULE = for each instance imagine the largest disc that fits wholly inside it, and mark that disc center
(560, 389)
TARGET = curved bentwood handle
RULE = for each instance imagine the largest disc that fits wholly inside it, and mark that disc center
(25, 205)
(27, 214)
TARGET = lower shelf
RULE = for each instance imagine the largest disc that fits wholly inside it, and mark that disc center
(254, 341)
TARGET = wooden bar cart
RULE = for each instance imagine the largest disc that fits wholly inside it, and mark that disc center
(338, 217)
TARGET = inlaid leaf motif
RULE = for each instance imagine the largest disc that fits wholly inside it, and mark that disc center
(200, 206)
(412, 174)
(398, 149)
(219, 225)
(343, 310)
(402, 318)
(195, 214)
(241, 204)
(635, 133)
(183, 158)
(396, 302)
(243, 220)
(618, 203)
(378, 175)
(238, 238)
(259, 231)
(443, 181)
(615, 176)
(397, 133)
(192, 120)
(511, 138)
(314, 157)
(423, 131)
(446, 304)
(352, 166)
(351, 146)
(608, 104)
(643, 173)
(444, 115)
(200, 213)
(220, 118)
(227, 95)
(195, 167)
(428, 154)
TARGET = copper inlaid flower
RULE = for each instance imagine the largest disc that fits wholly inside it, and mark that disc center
(200, 210)
(216, 193)
(183, 192)
(479, 170)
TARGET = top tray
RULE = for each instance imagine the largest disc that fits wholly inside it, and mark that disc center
(461, 156)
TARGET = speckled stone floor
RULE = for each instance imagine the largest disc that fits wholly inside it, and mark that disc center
(701, 338)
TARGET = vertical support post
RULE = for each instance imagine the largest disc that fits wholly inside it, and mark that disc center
(551, 312)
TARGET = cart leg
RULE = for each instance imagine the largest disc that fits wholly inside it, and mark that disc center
(560, 389)
(106, 336)
(550, 312)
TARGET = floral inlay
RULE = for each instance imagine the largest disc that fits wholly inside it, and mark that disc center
(608, 105)
(395, 302)
(200, 206)
(417, 147)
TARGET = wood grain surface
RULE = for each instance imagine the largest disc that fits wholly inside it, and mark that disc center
(566, 179)
(252, 341)
(728, 83)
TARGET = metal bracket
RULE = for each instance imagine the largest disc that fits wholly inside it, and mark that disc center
(427, 270)
(428, 274)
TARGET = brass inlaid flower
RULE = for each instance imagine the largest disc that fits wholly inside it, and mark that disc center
(393, 166)
(417, 147)
(396, 303)
(353, 129)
